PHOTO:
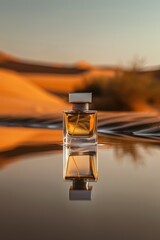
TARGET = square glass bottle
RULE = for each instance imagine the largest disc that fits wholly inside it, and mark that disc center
(80, 123)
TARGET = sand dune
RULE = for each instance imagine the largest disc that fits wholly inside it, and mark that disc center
(5, 57)
(56, 83)
(56, 77)
(10, 62)
(65, 83)
(20, 97)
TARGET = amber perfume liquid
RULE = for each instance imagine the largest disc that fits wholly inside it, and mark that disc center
(80, 127)
(80, 165)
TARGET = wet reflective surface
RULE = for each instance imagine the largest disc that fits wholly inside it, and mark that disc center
(34, 197)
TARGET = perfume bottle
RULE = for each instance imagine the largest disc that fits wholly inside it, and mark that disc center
(80, 166)
(80, 123)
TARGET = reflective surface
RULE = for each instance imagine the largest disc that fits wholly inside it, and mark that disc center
(34, 198)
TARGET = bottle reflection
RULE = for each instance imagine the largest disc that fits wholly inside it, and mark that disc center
(80, 165)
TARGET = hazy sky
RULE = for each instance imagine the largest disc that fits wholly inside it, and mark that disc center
(99, 31)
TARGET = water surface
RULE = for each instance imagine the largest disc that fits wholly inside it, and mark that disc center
(34, 198)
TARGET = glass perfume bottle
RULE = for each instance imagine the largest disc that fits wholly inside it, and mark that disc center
(80, 123)
(80, 165)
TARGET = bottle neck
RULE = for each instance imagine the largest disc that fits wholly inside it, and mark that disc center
(80, 184)
(80, 106)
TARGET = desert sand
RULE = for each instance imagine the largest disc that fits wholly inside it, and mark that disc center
(65, 83)
(19, 97)
(56, 77)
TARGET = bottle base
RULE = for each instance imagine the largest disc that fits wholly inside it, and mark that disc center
(79, 142)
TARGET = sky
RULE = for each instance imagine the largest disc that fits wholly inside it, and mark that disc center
(104, 32)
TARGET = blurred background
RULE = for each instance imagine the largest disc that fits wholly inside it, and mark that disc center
(47, 50)
(51, 48)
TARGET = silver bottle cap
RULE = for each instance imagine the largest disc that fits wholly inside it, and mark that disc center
(80, 97)
(80, 194)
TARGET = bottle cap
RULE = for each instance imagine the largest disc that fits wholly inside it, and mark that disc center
(80, 97)
(80, 194)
